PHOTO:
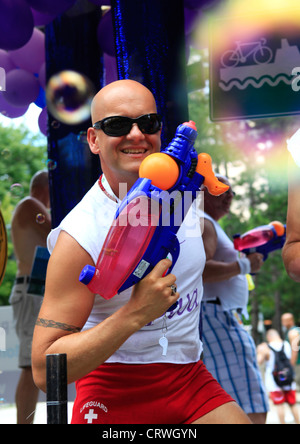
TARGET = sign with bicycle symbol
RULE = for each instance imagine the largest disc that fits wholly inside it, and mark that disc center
(253, 78)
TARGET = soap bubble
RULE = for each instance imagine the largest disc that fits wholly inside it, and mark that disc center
(51, 164)
(40, 218)
(69, 96)
(55, 124)
(5, 153)
(82, 137)
(17, 190)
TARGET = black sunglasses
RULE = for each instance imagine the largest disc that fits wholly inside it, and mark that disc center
(116, 126)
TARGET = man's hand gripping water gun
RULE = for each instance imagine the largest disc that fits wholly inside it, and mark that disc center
(145, 225)
(263, 239)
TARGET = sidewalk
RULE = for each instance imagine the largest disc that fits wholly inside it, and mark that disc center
(8, 414)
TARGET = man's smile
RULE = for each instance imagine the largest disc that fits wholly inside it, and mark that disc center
(134, 151)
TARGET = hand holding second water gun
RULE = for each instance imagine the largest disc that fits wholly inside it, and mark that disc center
(263, 239)
(161, 197)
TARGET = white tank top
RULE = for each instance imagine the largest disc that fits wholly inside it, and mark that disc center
(233, 293)
(88, 223)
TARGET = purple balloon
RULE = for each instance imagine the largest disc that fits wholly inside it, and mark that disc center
(51, 6)
(22, 88)
(32, 55)
(105, 34)
(9, 110)
(42, 19)
(42, 76)
(6, 61)
(16, 24)
(43, 121)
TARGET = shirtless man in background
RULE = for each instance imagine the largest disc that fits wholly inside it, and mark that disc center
(31, 223)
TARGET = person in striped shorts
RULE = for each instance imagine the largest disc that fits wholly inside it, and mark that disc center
(229, 350)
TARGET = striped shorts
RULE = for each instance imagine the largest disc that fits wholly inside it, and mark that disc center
(230, 356)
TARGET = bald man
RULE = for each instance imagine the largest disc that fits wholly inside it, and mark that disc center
(30, 226)
(123, 374)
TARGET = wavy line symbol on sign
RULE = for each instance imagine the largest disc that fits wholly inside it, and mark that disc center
(263, 71)
(256, 84)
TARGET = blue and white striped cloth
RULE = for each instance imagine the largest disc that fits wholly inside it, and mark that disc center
(230, 356)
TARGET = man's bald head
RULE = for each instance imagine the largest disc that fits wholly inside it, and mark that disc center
(272, 335)
(39, 180)
(39, 187)
(288, 320)
(110, 99)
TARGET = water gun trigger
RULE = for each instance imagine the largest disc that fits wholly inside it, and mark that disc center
(204, 167)
(174, 250)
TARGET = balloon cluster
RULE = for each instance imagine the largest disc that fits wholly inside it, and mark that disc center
(22, 49)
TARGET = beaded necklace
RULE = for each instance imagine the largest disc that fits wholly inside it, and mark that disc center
(105, 191)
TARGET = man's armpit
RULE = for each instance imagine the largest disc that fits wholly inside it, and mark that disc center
(48, 323)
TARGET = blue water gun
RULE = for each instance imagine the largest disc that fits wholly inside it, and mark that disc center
(146, 222)
(263, 239)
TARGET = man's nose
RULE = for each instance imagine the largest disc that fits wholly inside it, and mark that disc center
(136, 132)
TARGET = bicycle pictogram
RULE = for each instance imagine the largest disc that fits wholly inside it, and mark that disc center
(243, 51)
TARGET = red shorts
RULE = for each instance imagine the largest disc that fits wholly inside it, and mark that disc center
(280, 397)
(147, 394)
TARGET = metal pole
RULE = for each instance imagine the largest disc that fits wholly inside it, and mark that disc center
(57, 393)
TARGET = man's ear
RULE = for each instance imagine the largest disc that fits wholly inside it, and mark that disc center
(93, 141)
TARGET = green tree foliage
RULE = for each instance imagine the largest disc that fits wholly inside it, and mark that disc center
(21, 155)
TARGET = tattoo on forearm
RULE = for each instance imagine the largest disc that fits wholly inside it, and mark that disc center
(47, 323)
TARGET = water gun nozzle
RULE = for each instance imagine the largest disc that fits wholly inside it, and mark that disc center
(204, 167)
(191, 124)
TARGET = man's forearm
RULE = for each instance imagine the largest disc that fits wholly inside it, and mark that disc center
(216, 271)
